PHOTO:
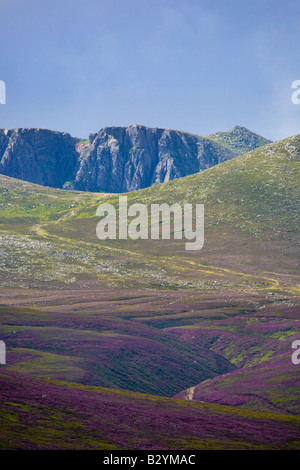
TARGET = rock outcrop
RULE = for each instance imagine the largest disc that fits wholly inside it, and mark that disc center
(116, 159)
(125, 159)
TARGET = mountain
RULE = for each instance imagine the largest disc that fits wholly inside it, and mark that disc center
(213, 325)
(116, 159)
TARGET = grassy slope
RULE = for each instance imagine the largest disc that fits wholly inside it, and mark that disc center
(239, 140)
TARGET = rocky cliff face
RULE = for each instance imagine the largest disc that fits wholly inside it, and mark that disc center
(38, 155)
(116, 159)
(125, 159)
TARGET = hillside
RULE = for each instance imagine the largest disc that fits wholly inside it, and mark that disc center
(251, 213)
(46, 414)
(214, 325)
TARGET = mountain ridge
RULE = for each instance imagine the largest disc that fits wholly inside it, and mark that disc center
(116, 159)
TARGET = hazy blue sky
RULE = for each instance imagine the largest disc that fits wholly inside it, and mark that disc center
(194, 65)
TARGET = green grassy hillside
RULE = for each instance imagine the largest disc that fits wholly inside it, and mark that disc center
(251, 213)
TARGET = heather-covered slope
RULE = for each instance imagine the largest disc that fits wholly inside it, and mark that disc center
(259, 345)
(272, 385)
(39, 414)
(101, 343)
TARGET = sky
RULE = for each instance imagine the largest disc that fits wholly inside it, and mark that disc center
(199, 66)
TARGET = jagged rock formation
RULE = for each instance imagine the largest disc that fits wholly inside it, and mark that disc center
(125, 159)
(116, 159)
